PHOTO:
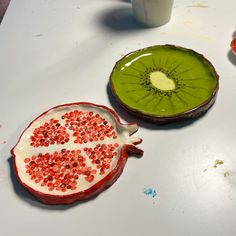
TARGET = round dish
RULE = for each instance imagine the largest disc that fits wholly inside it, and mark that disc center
(164, 83)
(233, 46)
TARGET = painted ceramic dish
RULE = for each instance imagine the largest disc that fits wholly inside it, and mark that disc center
(164, 83)
(233, 45)
(73, 152)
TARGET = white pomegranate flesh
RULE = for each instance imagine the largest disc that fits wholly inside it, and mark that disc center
(73, 152)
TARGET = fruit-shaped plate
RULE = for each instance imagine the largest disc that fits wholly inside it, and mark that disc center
(73, 152)
(164, 83)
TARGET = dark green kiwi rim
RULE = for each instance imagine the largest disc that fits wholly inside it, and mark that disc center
(191, 113)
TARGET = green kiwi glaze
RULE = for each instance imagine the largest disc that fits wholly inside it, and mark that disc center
(195, 80)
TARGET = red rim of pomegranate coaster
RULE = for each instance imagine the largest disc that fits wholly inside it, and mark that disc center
(98, 187)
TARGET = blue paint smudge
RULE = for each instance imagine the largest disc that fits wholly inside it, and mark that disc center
(150, 192)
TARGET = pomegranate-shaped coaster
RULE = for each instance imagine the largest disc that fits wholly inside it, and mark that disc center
(73, 152)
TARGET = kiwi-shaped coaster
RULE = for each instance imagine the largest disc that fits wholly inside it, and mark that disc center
(165, 83)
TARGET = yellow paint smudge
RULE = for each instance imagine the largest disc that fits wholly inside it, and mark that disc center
(204, 37)
(217, 163)
(226, 174)
(163, 33)
(199, 5)
(188, 22)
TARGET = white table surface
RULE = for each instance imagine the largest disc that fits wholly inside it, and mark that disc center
(54, 52)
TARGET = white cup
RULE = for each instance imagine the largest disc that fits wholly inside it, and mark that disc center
(152, 13)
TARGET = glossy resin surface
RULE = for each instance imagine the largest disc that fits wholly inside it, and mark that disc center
(164, 81)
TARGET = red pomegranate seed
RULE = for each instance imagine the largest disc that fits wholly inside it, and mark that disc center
(90, 178)
(48, 134)
(85, 126)
(27, 160)
(60, 169)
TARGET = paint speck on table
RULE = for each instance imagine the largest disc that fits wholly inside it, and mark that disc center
(199, 5)
(226, 174)
(218, 163)
(4, 142)
(150, 192)
(188, 22)
(0, 126)
(38, 35)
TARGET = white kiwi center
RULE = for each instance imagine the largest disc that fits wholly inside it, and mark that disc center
(161, 81)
